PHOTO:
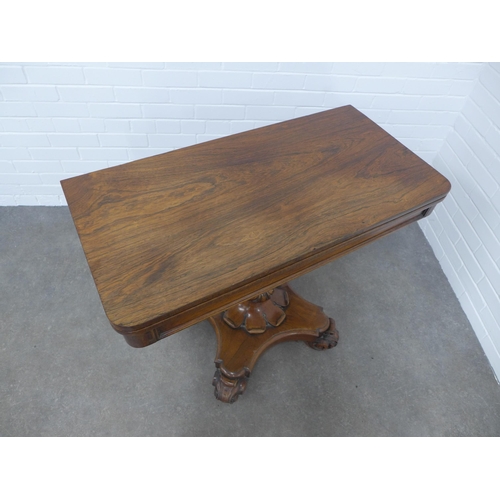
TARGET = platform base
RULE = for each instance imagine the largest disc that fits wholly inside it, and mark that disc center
(244, 332)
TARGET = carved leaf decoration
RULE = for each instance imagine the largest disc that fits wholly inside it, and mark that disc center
(256, 315)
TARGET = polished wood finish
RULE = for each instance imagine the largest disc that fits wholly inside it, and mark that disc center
(213, 230)
(238, 350)
(176, 238)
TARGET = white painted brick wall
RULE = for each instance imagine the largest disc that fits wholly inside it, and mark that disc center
(60, 120)
(78, 117)
(464, 231)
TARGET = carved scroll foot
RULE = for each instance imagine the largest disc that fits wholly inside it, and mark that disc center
(228, 389)
(245, 331)
(327, 339)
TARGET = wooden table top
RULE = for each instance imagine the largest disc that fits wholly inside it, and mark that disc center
(179, 236)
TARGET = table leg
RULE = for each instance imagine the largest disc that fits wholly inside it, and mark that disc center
(248, 329)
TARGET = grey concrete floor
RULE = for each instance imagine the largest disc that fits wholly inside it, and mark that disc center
(408, 362)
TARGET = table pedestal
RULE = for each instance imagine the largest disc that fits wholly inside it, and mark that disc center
(248, 329)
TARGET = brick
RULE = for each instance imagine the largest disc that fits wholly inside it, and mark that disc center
(442, 103)
(40, 125)
(452, 276)
(395, 102)
(426, 87)
(476, 117)
(54, 153)
(10, 189)
(450, 204)
(11, 74)
(172, 141)
(250, 66)
(451, 252)
(23, 140)
(483, 153)
(83, 167)
(330, 83)
(124, 140)
(411, 117)
(92, 125)
(468, 233)
(61, 109)
(70, 140)
(493, 139)
(469, 261)
(137, 65)
(462, 125)
(491, 297)
(122, 126)
(224, 79)
(485, 206)
(379, 85)
(66, 124)
(482, 177)
(19, 179)
(197, 66)
(486, 101)
(191, 127)
(36, 190)
(379, 116)
(357, 68)
(26, 200)
(170, 126)
(306, 67)
(489, 239)
(219, 112)
(167, 111)
(53, 178)
(140, 95)
(460, 71)
(462, 87)
(113, 76)
(278, 81)
(37, 166)
(114, 110)
(14, 124)
(460, 148)
(103, 154)
(196, 96)
(238, 126)
(7, 167)
(471, 306)
(490, 323)
(489, 267)
(8, 109)
(89, 93)
(305, 111)
(170, 78)
(248, 97)
(218, 128)
(337, 99)
(50, 200)
(53, 75)
(139, 154)
(15, 154)
(407, 70)
(434, 242)
(273, 113)
(297, 98)
(491, 81)
(449, 226)
(143, 126)
(471, 288)
(29, 93)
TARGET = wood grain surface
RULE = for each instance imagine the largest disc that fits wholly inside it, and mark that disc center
(175, 238)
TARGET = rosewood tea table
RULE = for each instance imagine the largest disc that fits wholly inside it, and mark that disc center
(216, 230)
